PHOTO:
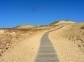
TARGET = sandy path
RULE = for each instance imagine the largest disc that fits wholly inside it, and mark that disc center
(25, 51)
(46, 51)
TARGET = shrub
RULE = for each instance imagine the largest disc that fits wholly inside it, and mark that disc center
(82, 27)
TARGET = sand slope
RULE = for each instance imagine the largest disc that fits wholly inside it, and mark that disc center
(21, 45)
(69, 42)
(24, 51)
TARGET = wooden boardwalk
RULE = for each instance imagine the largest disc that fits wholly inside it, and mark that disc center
(46, 51)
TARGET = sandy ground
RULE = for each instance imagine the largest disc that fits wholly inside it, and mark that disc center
(25, 51)
(1, 31)
(22, 45)
(66, 43)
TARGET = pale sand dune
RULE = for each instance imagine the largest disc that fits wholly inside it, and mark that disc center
(24, 27)
(66, 43)
(21, 45)
(25, 51)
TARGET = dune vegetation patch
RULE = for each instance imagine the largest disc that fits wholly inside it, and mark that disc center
(11, 36)
(82, 27)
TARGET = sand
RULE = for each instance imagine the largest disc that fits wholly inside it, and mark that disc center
(66, 47)
(21, 45)
(1, 31)
(25, 51)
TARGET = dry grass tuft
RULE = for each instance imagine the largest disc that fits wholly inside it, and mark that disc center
(82, 27)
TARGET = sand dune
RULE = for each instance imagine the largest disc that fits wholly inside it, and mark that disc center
(24, 26)
(69, 42)
(22, 44)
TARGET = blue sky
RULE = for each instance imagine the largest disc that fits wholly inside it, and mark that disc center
(39, 12)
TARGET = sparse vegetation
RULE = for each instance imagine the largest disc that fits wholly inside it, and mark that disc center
(25, 26)
(11, 36)
(70, 37)
(82, 27)
(79, 45)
